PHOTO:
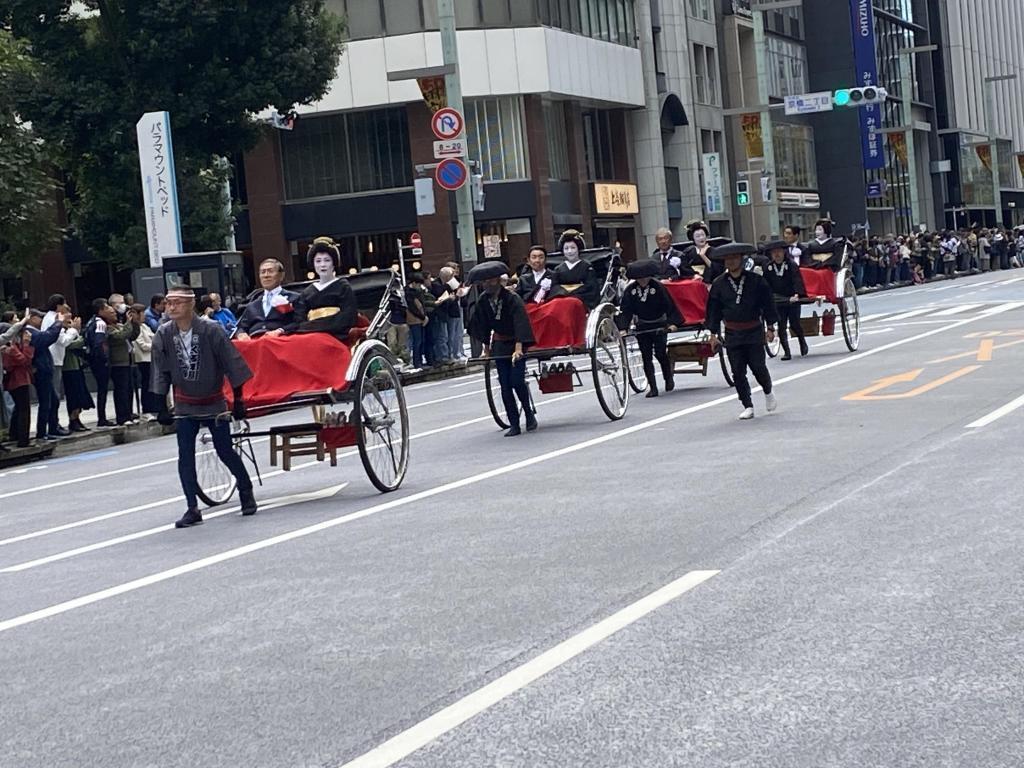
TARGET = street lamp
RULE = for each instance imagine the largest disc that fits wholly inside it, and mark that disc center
(990, 128)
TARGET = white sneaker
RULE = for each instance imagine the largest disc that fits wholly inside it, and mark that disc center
(748, 413)
(770, 403)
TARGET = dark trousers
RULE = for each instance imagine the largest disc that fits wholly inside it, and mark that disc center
(741, 357)
(121, 378)
(44, 394)
(416, 341)
(512, 379)
(789, 319)
(187, 430)
(21, 417)
(654, 344)
(102, 373)
(150, 400)
(58, 389)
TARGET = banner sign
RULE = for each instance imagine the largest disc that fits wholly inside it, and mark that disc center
(159, 188)
(862, 17)
(434, 93)
(752, 135)
(713, 202)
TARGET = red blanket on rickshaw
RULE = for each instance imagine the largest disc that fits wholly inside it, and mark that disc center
(557, 323)
(691, 298)
(283, 366)
(819, 282)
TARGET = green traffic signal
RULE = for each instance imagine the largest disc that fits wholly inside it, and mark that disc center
(742, 198)
(842, 98)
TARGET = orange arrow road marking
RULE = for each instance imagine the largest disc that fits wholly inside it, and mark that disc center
(987, 347)
(900, 378)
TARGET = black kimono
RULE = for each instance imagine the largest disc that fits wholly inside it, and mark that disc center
(528, 285)
(331, 309)
(580, 281)
(693, 265)
(500, 322)
(745, 305)
(654, 311)
(825, 254)
(786, 282)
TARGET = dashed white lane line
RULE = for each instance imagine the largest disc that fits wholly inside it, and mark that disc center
(956, 310)
(997, 414)
(451, 717)
(455, 485)
(911, 313)
(1011, 282)
(1000, 309)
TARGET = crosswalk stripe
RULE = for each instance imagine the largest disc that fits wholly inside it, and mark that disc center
(956, 310)
(1009, 307)
(911, 313)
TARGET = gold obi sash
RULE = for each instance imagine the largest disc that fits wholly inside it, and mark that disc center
(572, 287)
(321, 312)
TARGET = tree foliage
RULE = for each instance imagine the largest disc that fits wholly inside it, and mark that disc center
(27, 189)
(212, 65)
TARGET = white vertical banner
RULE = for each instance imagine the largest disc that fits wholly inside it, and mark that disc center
(159, 188)
(711, 163)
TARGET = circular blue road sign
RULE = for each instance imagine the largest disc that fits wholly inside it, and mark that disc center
(451, 174)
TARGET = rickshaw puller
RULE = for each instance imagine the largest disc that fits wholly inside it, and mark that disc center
(194, 356)
(783, 276)
(743, 302)
(649, 302)
(502, 326)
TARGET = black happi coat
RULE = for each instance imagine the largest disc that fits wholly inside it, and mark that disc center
(693, 264)
(784, 280)
(582, 274)
(338, 294)
(652, 306)
(755, 305)
(504, 315)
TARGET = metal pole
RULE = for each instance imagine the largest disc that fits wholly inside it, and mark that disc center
(453, 88)
(767, 138)
(907, 88)
(990, 128)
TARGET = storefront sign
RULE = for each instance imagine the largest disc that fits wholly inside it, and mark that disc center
(712, 164)
(862, 17)
(159, 189)
(492, 246)
(616, 199)
(752, 135)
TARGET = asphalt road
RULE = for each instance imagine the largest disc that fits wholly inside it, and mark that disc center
(835, 584)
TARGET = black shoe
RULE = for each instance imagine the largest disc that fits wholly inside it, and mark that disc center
(531, 423)
(803, 348)
(670, 383)
(786, 356)
(514, 431)
(77, 426)
(190, 518)
(104, 423)
(652, 393)
(62, 432)
(248, 502)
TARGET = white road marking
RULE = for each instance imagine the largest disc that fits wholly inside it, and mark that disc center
(446, 399)
(297, 498)
(869, 318)
(998, 413)
(956, 310)
(998, 310)
(544, 458)
(908, 315)
(1011, 282)
(412, 739)
(275, 473)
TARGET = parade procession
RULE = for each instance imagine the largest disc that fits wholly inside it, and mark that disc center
(486, 383)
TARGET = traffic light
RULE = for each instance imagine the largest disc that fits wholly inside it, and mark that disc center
(859, 97)
(742, 193)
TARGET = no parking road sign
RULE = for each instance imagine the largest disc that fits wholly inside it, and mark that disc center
(447, 123)
(451, 174)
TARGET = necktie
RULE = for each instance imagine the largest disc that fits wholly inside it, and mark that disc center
(266, 303)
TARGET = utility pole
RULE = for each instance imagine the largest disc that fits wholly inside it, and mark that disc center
(767, 137)
(453, 88)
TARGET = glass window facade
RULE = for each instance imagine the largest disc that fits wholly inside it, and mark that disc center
(610, 20)
(346, 154)
(599, 145)
(700, 9)
(496, 130)
(787, 67)
(705, 75)
(557, 140)
(795, 166)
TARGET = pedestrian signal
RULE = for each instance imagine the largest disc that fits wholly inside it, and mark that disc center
(742, 193)
(859, 97)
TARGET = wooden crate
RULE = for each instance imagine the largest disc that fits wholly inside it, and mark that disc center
(689, 351)
(811, 325)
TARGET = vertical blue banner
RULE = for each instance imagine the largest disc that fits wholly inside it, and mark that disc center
(862, 18)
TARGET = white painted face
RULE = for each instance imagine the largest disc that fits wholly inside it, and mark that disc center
(323, 265)
(700, 238)
(819, 232)
(571, 252)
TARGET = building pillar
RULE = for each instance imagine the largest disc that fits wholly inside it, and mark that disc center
(648, 149)
(578, 170)
(540, 164)
(265, 184)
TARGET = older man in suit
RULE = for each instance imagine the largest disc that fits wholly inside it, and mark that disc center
(271, 312)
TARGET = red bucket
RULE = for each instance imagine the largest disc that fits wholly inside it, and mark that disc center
(828, 323)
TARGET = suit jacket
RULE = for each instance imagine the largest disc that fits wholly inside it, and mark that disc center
(527, 285)
(254, 321)
(668, 272)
